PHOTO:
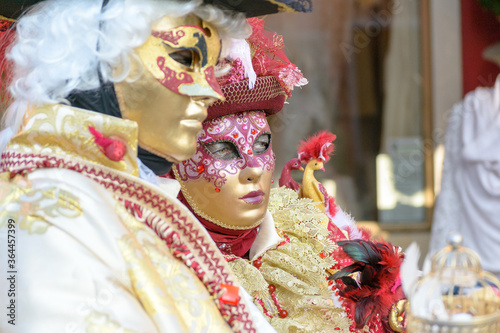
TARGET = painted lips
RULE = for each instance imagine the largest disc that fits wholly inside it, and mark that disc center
(254, 197)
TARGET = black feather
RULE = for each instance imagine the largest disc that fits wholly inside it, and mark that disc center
(364, 310)
(356, 267)
(356, 251)
(368, 276)
(338, 275)
(373, 253)
(348, 281)
(382, 247)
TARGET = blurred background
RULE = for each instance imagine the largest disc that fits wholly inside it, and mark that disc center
(365, 85)
(384, 76)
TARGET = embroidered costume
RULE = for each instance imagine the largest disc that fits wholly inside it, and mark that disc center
(59, 188)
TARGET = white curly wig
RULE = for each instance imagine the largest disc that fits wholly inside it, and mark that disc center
(55, 50)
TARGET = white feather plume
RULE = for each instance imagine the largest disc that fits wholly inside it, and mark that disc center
(241, 50)
(409, 268)
(427, 302)
(426, 268)
(425, 299)
(346, 222)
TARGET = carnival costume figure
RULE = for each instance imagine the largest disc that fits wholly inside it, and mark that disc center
(282, 247)
(104, 94)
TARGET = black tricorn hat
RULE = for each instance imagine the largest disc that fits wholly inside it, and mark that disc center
(251, 8)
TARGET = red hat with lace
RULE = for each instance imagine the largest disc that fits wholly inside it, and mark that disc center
(260, 76)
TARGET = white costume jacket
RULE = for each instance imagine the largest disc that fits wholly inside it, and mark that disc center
(93, 248)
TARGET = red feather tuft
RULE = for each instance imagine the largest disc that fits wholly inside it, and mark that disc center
(379, 286)
(318, 146)
(6, 38)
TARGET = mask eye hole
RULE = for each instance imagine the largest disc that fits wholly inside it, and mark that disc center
(223, 150)
(262, 143)
(184, 57)
(208, 31)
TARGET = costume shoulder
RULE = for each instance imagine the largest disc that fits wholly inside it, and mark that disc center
(118, 222)
(82, 259)
(292, 276)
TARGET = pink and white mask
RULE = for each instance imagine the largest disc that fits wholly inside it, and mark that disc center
(228, 180)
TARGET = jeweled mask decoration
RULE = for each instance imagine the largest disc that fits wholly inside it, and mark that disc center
(228, 180)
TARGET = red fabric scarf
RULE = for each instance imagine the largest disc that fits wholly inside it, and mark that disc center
(229, 241)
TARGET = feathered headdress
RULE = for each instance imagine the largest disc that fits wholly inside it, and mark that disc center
(377, 285)
(319, 146)
(6, 37)
(255, 74)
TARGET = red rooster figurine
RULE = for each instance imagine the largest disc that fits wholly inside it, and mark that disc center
(286, 174)
(315, 151)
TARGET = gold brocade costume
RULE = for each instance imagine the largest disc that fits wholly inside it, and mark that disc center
(296, 267)
(98, 249)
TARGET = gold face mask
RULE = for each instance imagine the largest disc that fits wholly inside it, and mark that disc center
(169, 92)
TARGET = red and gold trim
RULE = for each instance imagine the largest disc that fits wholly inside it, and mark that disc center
(170, 220)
